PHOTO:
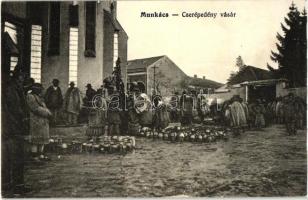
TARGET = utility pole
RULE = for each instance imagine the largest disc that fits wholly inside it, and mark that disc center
(154, 77)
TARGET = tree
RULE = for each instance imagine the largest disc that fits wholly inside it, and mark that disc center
(232, 75)
(291, 54)
(239, 63)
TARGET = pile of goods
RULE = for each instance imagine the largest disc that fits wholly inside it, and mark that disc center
(105, 144)
(180, 134)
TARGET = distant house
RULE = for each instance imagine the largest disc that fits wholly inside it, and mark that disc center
(169, 78)
(252, 83)
(196, 83)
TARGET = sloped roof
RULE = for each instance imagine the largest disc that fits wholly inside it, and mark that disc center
(250, 73)
(141, 64)
(204, 83)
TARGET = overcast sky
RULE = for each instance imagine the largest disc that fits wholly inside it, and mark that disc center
(205, 46)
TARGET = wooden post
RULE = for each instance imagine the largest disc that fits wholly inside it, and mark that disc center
(246, 93)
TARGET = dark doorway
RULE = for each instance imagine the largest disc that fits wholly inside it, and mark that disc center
(267, 92)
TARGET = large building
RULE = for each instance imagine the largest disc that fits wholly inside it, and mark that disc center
(68, 40)
(166, 75)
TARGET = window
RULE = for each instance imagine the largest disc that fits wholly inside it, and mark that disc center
(14, 61)
(73, 55)
(90, 29)
(36, 52)
(54, 29)
(73, 15)
(11, 30)
(115, 48)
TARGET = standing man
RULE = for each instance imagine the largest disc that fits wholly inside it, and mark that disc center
(54, 100)
(90, 93)
(72, 104)
(14, 129)
(186, 102)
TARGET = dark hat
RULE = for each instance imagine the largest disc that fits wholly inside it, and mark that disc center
(88, 85)
(72, 83)
(29, 82)
(55, 81)
(37, 86)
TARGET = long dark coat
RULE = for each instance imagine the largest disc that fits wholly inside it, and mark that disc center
(15, 115)
(53, 98)
(39, 123)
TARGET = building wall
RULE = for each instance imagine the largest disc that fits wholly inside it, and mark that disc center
(56, 66)
(281, 91)
(108, 50)
(228, 95)
(90, 69)
(168, 75)
(109, 30)
(18, 9)
(123, 55)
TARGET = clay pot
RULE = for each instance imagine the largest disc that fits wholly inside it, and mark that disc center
(181, 137)
(166, 136)
(192, 137)
(200, 138)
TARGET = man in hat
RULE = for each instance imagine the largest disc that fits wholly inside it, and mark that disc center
(72, 103)
(54, 99)
(90, 93)
(14, 130)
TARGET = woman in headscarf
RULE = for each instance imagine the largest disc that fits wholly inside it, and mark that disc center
(39, 120)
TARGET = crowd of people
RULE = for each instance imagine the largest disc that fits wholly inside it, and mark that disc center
(28, 111)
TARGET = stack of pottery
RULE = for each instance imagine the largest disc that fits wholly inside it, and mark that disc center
(191, 134)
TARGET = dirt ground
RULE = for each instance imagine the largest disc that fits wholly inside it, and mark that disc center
(257, 163)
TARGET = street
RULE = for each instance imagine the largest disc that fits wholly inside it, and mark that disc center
(257, 163)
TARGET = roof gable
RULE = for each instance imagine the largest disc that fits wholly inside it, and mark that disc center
(204, 83)
(143, 63)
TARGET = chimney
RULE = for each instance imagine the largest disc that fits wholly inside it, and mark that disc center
(203, 77)
(195, 76)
